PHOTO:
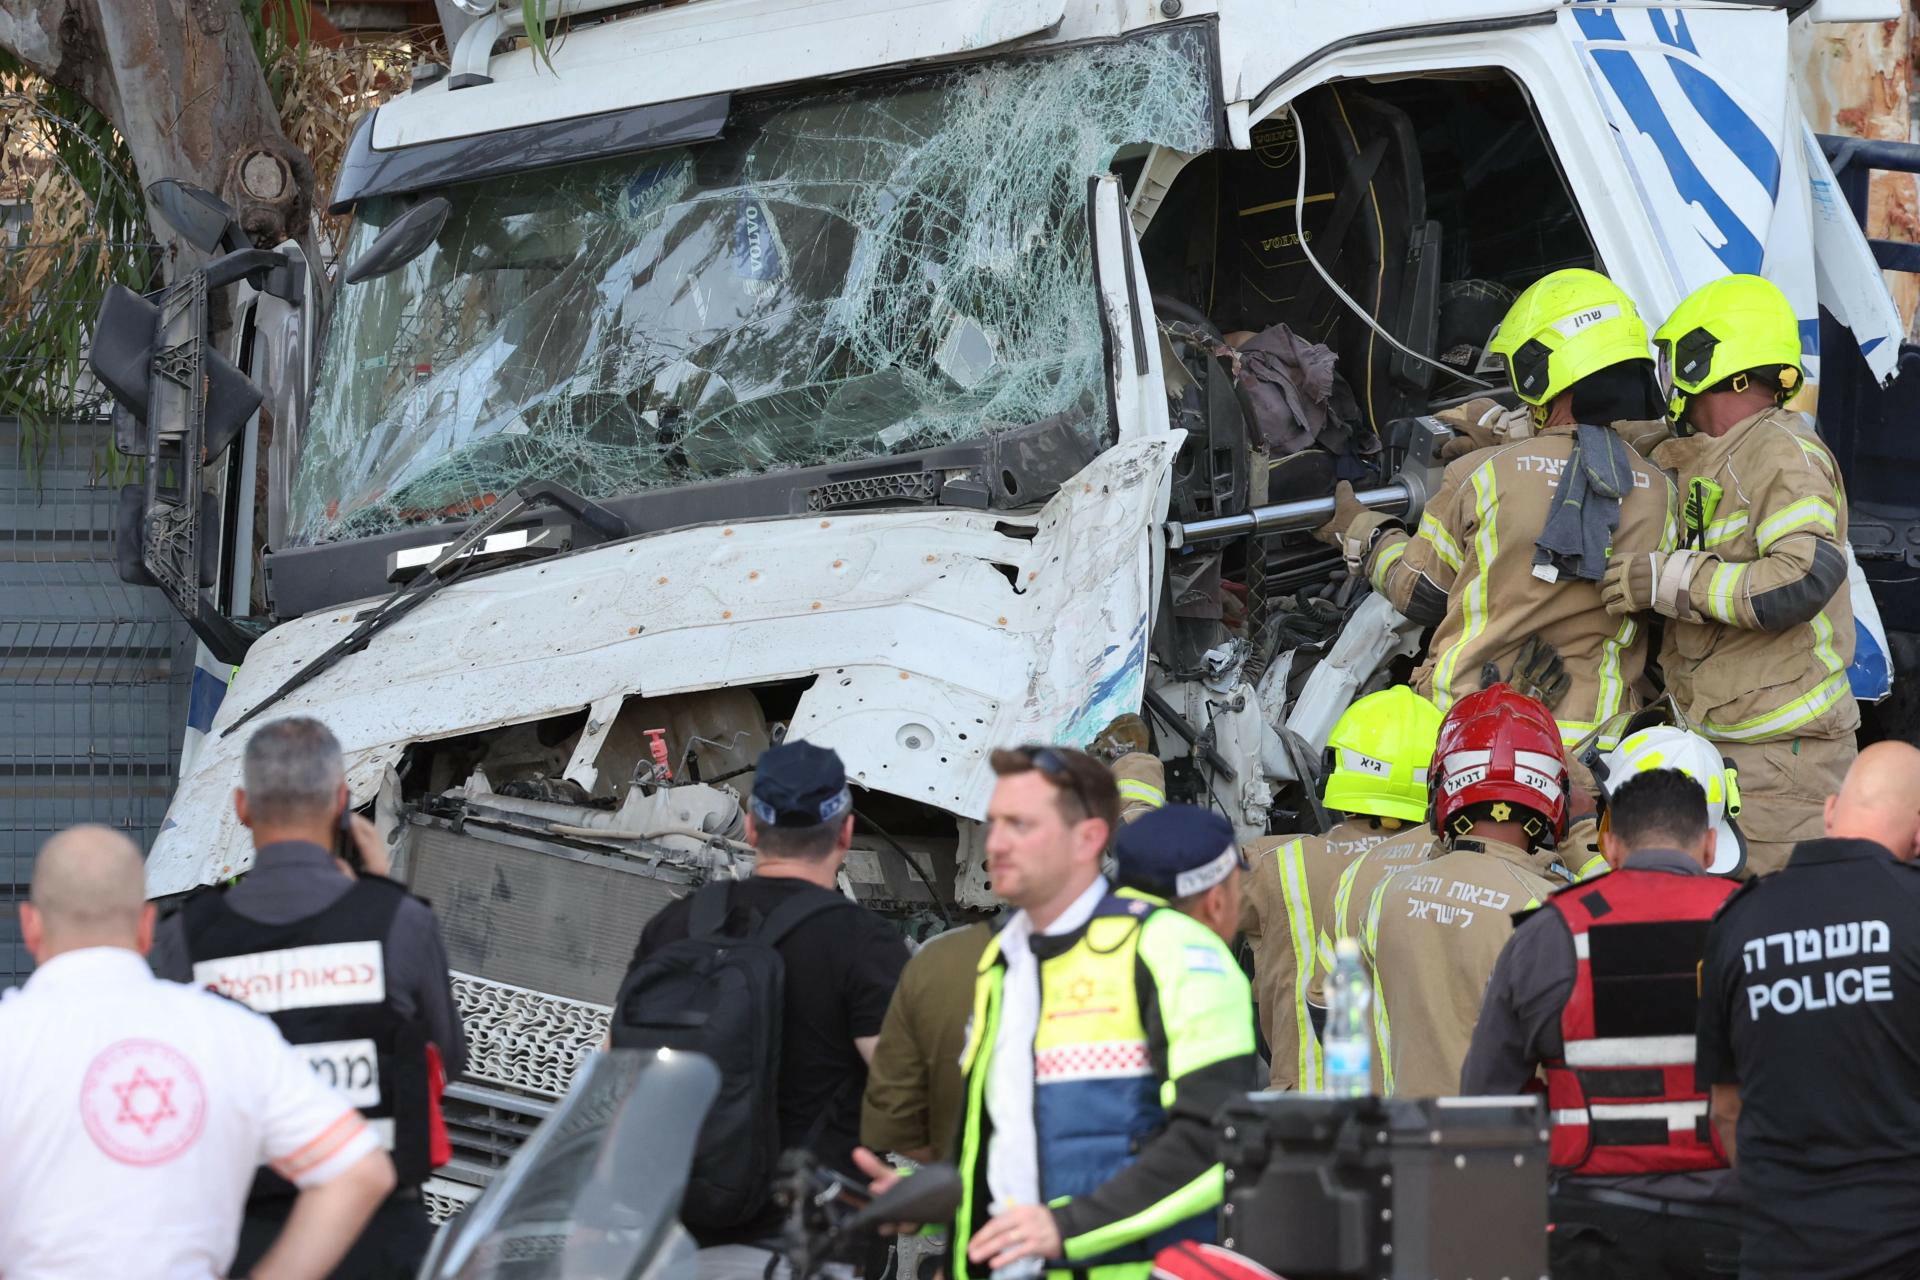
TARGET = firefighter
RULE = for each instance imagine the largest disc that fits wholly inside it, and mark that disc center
(1499, 780)
(1760, 629)
(1379, 752)
(1670, 747)
(1598, 988)
(1507, 559)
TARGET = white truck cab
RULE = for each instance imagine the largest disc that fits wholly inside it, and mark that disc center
(874, 350)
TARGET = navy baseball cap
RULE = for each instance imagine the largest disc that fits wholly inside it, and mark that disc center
(1176, 851)
(797, 784)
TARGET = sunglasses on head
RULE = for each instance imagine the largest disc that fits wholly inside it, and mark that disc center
(1051, 765)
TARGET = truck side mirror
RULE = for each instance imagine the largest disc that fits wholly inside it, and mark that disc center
(178, 404)
(403, 240)
(203, 219)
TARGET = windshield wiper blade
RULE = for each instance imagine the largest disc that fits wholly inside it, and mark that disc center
(446, 568)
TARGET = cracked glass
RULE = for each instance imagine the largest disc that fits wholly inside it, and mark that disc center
(842, 275)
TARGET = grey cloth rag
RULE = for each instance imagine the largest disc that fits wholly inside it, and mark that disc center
(1585, 509)
(1294, 391)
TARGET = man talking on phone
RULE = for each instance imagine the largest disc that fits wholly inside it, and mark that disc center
(349, 966)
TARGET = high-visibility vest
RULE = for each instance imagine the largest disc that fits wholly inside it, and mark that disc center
(1623, 1097)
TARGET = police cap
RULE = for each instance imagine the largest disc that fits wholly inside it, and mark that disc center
(1176, 851)
(797, 784)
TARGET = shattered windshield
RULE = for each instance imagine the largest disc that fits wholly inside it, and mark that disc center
(842, 275)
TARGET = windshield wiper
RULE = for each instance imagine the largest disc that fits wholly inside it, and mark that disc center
(449, 566)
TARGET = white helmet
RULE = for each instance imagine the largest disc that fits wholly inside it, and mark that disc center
(1665, 747)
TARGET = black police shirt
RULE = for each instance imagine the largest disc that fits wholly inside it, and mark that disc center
(1810, 1003)
(841, 969)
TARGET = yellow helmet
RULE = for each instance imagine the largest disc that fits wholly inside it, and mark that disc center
(1725, 328)
(1381, 749)
(1565, 326)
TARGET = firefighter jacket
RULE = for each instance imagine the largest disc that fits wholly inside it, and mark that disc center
(1348, 919)
(1434, 932)
(323, 981)
(1467, 570)
(1283, 915)
(1622, 1093)
(1145, 1028)
(1142, 780)
(1761, 650)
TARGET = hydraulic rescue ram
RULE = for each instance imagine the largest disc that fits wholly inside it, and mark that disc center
(1405, 496)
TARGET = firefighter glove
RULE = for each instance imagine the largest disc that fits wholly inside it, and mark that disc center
(1347, 509)
(1656, 580)
(1539, 673)
(1482, 424)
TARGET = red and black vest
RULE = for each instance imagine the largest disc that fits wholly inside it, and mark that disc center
(1623, 1098)
(323, 981)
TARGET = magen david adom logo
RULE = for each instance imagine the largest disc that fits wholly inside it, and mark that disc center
(142, 1102)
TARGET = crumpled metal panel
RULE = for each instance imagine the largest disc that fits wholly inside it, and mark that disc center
(949, 620)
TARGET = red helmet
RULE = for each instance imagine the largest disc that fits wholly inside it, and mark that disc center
(1499, 748)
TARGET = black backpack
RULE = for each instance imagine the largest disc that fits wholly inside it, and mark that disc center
(723, 995)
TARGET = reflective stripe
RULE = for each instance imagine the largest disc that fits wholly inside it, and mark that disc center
(1594, 866)
(1382, 1032)
(1631, 1051)
(1722, 589)
(1823, 642)
(1782, 721)
(1486, 542)
(1449, 551)
(1343, 892)
(1203, 1193)
(1293, 888)
(1387, 558)
(1580, 946)
(1611, 687)
(1808, 513)
(1678, 1115)
(1142, 792)
(1723, 531)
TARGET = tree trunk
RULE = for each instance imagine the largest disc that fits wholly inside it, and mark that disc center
(181, 82)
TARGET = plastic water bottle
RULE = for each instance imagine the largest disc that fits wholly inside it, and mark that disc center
(1347, 1045)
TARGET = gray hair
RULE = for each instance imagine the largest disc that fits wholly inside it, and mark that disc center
(293, 771)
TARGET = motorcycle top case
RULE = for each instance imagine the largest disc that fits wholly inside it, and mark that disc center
(1386, 1189)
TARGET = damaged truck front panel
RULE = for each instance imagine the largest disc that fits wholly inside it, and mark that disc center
(928, 639)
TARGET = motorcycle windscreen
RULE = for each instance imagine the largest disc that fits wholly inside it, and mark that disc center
(1703, 108)
(595, 1192)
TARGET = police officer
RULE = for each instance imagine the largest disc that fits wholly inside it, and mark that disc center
(1509, 554)
(1379, 751)
(1597, 987)
(1106, 1031)
(1184, 857)
(1436, 928)
(1809, 1037)
(351, 969)
(1761, 624)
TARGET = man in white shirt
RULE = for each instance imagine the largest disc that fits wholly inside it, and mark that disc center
(133, 1112)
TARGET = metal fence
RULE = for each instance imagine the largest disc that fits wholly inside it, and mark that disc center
(93, 673)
